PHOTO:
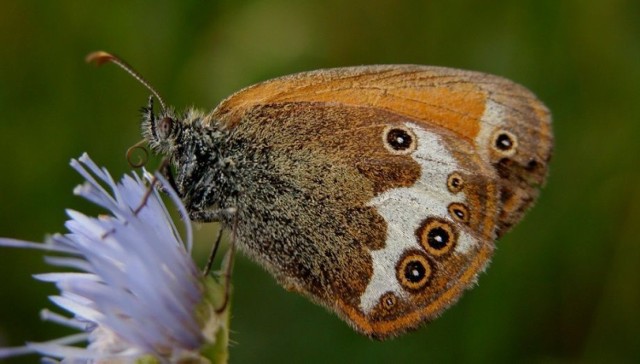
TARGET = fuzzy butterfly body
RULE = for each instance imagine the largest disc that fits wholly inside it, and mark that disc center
(377, 191)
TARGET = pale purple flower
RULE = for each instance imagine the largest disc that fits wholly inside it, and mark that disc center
(135, 291)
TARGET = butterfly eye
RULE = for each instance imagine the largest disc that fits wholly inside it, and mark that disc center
(414, 271)
(399, 140)
(459, 212)
(436, 236)
(505, 142)
(164, 127)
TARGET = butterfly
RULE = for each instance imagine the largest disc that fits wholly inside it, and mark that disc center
(376, 191)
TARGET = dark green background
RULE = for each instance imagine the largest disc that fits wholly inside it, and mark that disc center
(564, 285)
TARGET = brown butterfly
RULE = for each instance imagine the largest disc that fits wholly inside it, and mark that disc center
(376, 191)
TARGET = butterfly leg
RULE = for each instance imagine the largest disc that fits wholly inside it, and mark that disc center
(212, 255)
(228, 267)
(163, 166)
(165, 170)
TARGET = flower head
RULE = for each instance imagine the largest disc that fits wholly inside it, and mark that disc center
(135, 292)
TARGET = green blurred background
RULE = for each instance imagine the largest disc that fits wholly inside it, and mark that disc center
(564, 285)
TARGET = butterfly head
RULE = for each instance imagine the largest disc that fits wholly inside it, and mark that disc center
(161, 130)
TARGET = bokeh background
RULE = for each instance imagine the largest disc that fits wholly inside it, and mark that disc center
(564, 285)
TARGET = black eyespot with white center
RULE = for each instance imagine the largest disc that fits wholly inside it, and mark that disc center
(414, 270)
(505, 142)
(459, 212)
(455, 182)
(399, 140)
(388, 300)
(436, 236)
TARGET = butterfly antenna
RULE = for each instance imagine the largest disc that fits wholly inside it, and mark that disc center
(101, 57)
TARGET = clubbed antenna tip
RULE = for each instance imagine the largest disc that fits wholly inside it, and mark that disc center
(102, 57)
(99, 58)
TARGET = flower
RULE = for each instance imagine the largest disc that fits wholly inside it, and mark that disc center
(136, 294)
